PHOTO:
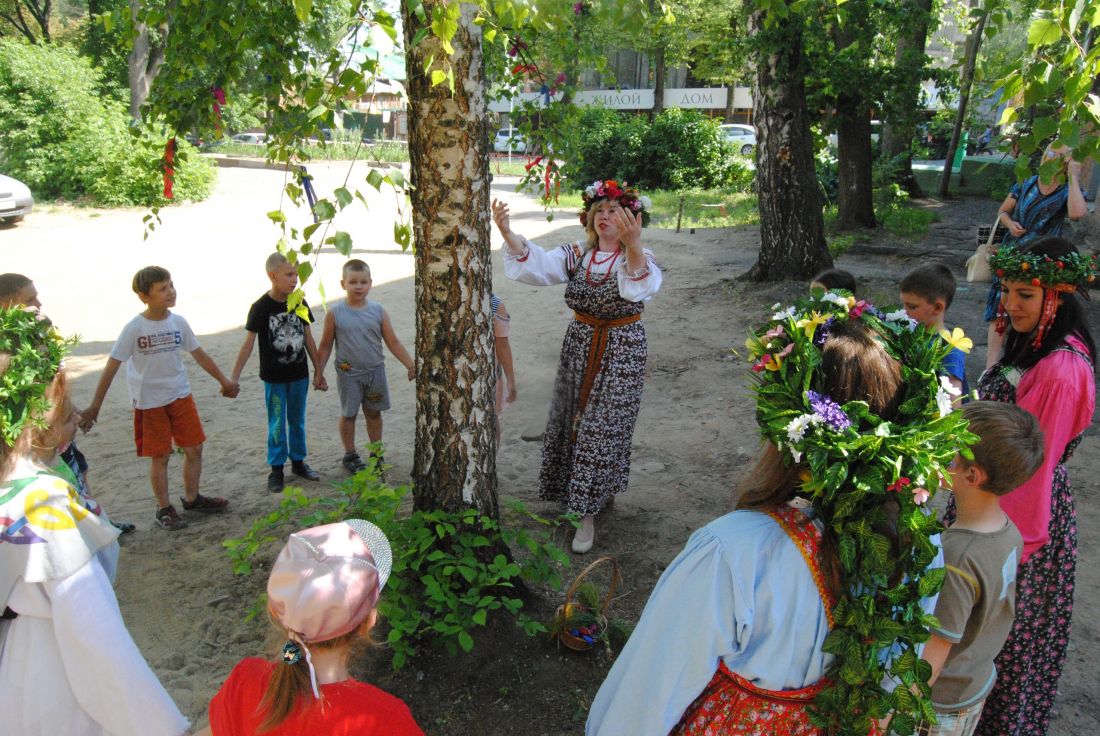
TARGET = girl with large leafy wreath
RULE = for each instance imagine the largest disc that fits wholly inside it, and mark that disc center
(801, 612)
(67, 662)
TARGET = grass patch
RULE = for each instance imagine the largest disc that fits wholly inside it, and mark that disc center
(897, 218)
(387, 151)
(500, 165)
(907, 222)
(703, 208)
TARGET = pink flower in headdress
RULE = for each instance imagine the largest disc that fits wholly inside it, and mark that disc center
(920, 495)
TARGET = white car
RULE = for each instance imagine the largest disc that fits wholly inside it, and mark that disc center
(509, 139)
(15, 200)
(252, 139)
(742, 137)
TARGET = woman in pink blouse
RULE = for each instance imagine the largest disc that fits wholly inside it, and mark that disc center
(1047, 368)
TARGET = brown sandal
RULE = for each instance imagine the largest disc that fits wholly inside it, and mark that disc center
(205, 504)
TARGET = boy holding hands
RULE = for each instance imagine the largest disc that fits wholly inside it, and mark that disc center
(926, 293)
(982, 549)
(358, 327)
(151, 345)
(285, 342)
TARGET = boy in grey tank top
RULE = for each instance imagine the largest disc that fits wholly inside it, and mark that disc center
(357, 328)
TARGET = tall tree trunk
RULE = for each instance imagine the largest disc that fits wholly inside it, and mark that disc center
(792, 230)
(902, 116)
(855, 203)
(455, 457)
(144, 60)
(658, 80)
(966, 81)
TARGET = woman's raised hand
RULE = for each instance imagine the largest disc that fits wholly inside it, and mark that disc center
(501, 217)
(630, 228)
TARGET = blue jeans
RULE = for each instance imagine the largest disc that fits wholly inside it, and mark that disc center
(286, 416)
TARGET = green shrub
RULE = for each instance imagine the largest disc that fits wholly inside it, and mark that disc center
(64, 139)
(680, 149)
(451, 571)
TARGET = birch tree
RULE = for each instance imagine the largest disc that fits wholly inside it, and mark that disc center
(454, 464)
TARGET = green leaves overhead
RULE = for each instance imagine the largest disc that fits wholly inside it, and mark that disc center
(1049, 93)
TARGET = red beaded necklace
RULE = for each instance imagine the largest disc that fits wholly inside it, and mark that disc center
(588, 269)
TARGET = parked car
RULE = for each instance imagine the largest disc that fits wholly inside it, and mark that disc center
(876, 130)
(743, 137)
(252, 139)
(509, 139)
(16, 201)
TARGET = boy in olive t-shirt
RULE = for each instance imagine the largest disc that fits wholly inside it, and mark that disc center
(981, 552)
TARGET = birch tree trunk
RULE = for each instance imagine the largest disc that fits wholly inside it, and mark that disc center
(792, 229)
(455, 456)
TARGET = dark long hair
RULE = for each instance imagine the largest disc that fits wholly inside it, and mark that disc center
(854, 367)
(1069, 319)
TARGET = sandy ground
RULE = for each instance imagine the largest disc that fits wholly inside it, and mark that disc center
(695, 433)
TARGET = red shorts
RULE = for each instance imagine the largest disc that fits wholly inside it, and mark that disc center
(155, 429)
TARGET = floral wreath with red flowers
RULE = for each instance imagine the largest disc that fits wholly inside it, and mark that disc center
(1069, 273)
(625, 195)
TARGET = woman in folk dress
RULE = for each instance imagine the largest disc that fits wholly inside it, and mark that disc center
(598, 389)
(1047, 368)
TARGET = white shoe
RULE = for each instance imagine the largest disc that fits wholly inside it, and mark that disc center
(585, 536)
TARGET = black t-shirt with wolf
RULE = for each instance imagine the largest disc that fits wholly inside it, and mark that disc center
(282, 338)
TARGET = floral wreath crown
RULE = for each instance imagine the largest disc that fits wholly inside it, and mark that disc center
(36, 351)
(855, 460)
(626, 196)
(1069, 273)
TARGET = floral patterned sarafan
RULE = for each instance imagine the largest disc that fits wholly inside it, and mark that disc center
(853, 461)
(626, 196)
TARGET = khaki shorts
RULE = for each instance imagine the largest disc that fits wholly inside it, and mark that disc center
(155, 429)
(368, 390)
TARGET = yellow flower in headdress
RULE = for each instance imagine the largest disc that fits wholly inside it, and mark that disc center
(809, 324)
(957, 339)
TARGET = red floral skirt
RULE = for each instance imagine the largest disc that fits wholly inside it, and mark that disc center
(730, 705)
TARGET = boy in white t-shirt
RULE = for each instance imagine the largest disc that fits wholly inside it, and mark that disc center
(152, 346)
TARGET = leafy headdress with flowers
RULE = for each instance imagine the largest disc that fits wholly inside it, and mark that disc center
(626, 196)
(855, 461)
(1071, 273)
(36, 350)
